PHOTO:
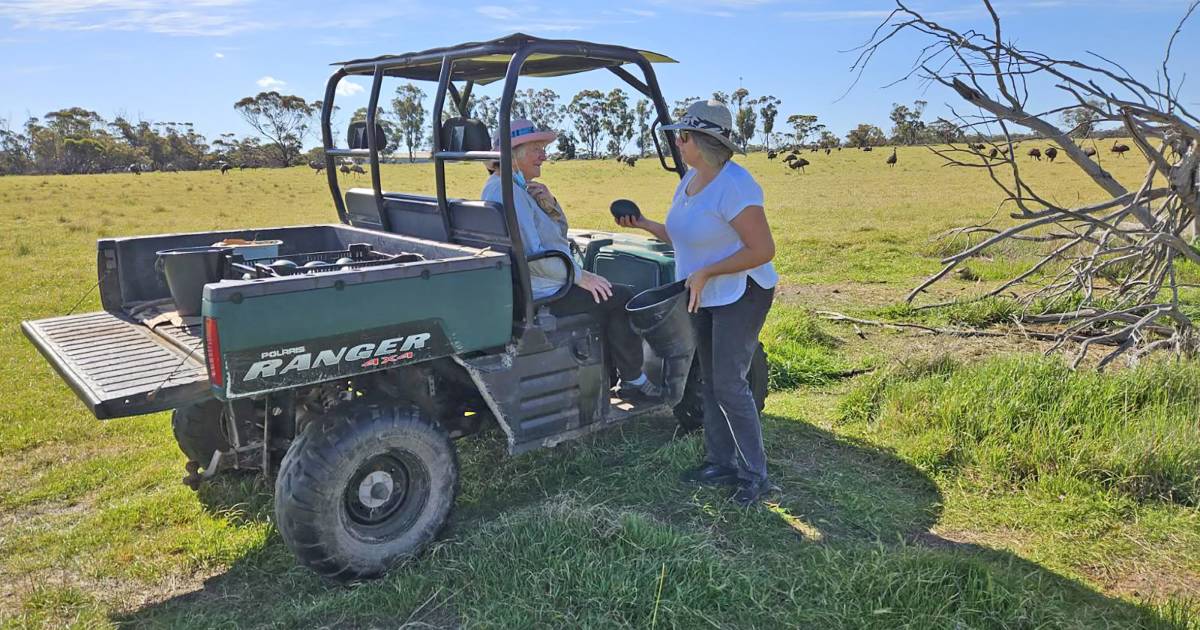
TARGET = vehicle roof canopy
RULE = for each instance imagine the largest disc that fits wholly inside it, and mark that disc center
(485, 62)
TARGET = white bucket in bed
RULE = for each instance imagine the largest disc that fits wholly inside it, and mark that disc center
(251, 250)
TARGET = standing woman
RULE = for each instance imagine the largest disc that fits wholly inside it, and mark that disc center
(723, 246)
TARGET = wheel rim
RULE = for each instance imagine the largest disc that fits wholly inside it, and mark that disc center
(385, 495)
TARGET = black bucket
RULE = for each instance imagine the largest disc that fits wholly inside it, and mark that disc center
(187, 270)
(660, 316)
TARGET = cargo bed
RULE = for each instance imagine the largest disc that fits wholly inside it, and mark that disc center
(120, 367)
(277, 332)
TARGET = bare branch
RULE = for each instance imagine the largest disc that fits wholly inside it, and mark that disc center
(1109, 266)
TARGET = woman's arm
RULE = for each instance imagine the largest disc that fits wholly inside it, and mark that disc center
(653, 227)
(758, 248)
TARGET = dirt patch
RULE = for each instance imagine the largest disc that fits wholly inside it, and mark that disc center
(842, 295)
(1158, 583)
(863, 295)
(887, 344)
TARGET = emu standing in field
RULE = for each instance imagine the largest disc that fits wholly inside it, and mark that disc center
(136, 169)
(799, 163)
(630, 161)
(789, 158)
(868, 148)
(1035, 153)
(345, 169)
(317, 166)
(828, 150)
(771, 155)
(358, 169)
(225, 166)
(891, 161)
(1051, 153)
(994, 153)
(1119, 149)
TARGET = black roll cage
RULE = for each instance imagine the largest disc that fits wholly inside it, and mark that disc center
(519, 48)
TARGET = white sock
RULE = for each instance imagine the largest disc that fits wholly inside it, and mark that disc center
(637, 382)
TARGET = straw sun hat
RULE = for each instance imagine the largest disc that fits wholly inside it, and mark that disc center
(522, 131)
(709, 117)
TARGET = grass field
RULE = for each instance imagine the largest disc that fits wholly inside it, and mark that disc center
(958, 483)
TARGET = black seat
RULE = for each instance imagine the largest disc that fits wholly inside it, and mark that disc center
(479, 224)
(411, 215)
(465, 134)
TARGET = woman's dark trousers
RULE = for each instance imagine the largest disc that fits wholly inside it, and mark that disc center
(726, 340)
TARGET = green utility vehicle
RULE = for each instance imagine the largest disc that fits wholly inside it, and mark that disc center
(345, 358)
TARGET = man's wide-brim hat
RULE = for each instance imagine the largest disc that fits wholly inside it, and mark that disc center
(521, 131)
(709, 117)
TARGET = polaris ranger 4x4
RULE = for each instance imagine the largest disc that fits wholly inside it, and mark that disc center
(347, 358)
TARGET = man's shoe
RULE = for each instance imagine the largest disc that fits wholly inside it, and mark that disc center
(710, 475)
(751, 492)
(646, 391)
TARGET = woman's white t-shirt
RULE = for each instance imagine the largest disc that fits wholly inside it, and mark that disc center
(701, 234)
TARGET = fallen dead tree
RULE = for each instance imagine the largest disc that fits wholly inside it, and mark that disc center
(1109, 275)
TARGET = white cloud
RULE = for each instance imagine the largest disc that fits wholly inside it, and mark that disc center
(496, 12)
(270, 83)
(168, 17)
(710, 6)
(533, 20)
(880, 14)
(827, 16)
(219, 55)
(348, 88)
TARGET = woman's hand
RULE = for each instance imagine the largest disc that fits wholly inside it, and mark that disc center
(695, 284)
(598, 286)
(541, 194)
(628, 221)
(656, 229)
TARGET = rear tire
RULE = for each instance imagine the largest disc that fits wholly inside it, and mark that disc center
(690, 410)
(364, 489)
(202, 428)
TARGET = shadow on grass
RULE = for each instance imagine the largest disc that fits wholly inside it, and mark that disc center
(587, 534)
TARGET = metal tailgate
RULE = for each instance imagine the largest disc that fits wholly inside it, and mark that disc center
(118, 366)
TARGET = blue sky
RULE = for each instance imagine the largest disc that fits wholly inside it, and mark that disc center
(190, 60)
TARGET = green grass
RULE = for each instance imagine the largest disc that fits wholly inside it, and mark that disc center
(801, 352)
(959, 493)
(1027, 422)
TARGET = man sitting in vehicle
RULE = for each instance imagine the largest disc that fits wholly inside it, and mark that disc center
(543, 228)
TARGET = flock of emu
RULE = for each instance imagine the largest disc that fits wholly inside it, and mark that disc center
(1051, 152)
(794, 162)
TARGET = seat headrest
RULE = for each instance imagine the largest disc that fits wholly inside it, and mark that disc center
(465, 134)
(356, 135)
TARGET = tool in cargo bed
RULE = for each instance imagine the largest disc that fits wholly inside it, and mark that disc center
(357, 256)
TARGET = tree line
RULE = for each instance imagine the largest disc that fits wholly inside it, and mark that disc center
(592, 124)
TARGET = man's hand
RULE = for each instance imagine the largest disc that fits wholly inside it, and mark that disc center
(598, 286)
